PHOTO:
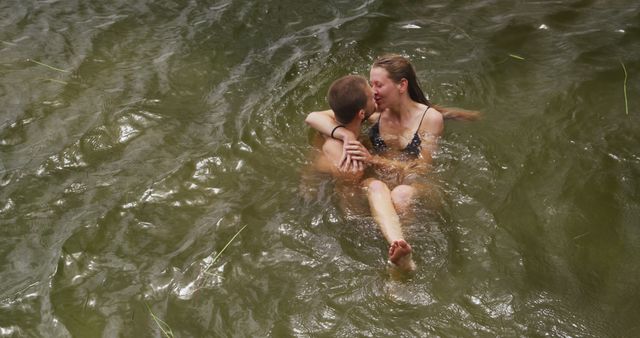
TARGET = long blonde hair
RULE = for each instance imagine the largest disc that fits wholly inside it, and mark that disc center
(400, 68)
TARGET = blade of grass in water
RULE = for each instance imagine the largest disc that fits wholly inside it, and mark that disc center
(164, 327)
(54, 80)
(225, 247)
(46, 65)
(626, 102)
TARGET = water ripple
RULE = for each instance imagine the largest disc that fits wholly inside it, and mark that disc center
(149, 133)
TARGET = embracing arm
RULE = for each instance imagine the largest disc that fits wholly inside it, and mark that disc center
(325, 123)
(458, 114)
(428, 148)
(433, 126)
(385, 162)
(359, 152)
(332, 151)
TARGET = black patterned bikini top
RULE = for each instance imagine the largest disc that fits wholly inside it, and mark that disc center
(412, 149)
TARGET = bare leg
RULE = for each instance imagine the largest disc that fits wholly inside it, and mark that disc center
(402, 197)
(385, 215)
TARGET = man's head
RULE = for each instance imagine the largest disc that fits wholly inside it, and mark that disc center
(350, 95)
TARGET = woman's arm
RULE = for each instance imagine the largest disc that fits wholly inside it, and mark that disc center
(428, 148)
(458, 114)
(430, 132)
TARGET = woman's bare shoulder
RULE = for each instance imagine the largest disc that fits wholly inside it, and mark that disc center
(433, 113)
(433, 122)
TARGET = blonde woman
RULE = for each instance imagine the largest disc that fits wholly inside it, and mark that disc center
(404, 132)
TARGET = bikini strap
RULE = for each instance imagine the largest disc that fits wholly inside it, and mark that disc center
(422, 118)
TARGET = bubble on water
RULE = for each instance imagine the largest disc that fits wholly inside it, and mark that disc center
(92, 265)
(151, 195)
(10, 331)
(54, 103)
(186, 292)
(333, 218)
(77, 279)
(317, 220)
(8, 206)
(163, 57)
(411, 26)
(245, 147)
(239, 165)
(614, 157)
(501, 307)
(75, 188)
(195, 202)
(215, 191)
(70, 158)
(146, 225)
(160, 287)
(205, 168)
(130, 205)
(127, 132)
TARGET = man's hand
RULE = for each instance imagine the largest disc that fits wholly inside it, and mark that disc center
(357, 152)
(347, 162)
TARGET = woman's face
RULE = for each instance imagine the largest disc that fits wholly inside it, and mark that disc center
(385, 92)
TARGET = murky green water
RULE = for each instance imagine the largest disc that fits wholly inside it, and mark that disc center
(170, 126)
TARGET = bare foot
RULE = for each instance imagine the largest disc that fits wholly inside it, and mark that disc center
(400, 255)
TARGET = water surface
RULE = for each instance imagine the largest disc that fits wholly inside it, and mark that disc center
(137, 138)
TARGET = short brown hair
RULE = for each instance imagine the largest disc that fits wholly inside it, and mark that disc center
(346, 96)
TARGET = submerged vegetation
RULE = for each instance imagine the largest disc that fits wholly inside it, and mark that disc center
(46, 65)
(225, 247)
(164, 327)
(624, 88)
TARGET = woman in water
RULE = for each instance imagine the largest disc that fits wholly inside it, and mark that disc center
(404, 132)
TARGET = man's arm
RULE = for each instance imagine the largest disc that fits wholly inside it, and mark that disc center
(325, 123)
(359, 152)
(332, 151)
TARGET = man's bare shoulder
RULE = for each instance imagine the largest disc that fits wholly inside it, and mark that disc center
(332, 149)
(331, 156)
(326, 159)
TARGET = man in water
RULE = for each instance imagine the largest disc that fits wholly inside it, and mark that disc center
(352, 101)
